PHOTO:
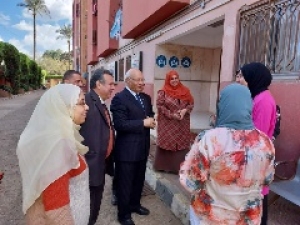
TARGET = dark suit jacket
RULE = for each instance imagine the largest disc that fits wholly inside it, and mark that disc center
(133, 139)
(95, 131)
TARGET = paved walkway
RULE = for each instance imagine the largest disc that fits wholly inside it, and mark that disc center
(14, 114)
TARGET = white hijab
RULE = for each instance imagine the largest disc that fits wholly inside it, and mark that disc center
(49, 145)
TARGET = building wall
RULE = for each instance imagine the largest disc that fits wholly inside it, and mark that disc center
(92, 58)
(76, 32)
(83, 37)
(285, 92)
(147, 14)
(106, 20)
(202, 77)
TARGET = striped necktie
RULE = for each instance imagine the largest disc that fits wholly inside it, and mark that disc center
(138, 97)
(111, 136)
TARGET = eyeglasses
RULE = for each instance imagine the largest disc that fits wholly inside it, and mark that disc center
(174, 78)
(82, 103)
(137, 80)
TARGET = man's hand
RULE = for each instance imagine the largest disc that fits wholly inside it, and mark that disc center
(149, 122)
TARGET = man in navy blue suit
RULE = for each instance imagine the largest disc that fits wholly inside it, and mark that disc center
(133, 118)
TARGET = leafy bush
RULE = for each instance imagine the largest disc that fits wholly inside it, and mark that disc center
(6, 88)
(24, 68)
(11, 58)
(48, 77)
(24, 86)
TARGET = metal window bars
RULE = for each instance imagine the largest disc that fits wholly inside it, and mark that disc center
(270, 34)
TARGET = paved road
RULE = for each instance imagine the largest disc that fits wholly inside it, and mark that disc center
(14, 114)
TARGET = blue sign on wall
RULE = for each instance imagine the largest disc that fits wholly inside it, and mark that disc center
(115, 31)
(161, 61)
(173, 62)
(186, 62)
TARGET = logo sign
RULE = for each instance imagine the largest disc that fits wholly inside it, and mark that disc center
(186, 62)
(173, 62)
(161, 61)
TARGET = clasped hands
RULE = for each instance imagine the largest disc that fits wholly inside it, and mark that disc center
(180, 114)
(149, 122)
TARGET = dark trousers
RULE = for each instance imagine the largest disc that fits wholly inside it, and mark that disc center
(130, 177)
(264, 218)
(114, 185)
(95, 197)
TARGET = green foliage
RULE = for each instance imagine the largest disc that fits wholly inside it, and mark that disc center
(54, 54)
(44, 74)
(19, 69)
(11, 58)
(48, 77)
(6, 88)
(53, 66)
(35, 75)
(24, 86)
(35, 7)
(24, 68)
(1, 51)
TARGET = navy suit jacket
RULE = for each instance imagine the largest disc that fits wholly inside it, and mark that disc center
(95, 131)
(133, 139)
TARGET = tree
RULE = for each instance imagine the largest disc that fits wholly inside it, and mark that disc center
(24, 69)
(65, 32)
(36, 7)
(54, 54)
(53, 66)
(11, 58)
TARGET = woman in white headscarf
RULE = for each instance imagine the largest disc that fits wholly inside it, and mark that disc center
(53, 169)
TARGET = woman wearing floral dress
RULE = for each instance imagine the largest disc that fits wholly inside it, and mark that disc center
(174, 105)
(226, 169)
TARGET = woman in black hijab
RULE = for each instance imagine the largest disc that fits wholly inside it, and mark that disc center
(258, 79)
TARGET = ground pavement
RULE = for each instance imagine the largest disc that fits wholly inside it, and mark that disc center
(14, 114)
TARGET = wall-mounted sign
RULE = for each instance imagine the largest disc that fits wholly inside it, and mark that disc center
(111, 67)
(115, 31)
(186, 62)
(161, 61)
(173, 62)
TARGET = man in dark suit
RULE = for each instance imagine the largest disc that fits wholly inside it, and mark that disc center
(133, 117)
(98, 134)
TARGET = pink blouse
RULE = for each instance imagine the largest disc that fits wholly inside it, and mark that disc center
(264, 112)
(264, 117)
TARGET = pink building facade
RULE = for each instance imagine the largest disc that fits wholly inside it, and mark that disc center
(206, 42)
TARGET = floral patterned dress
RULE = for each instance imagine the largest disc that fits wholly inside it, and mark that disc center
(225, 172)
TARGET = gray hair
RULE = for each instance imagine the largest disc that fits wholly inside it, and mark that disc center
(127, 74)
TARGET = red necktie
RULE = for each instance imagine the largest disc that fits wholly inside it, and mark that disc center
(111, 137)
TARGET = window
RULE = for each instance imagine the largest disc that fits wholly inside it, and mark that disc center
(77, 10)
(94, 5)
(128, 63)
(116, 72)
(270, 34)
(94, 37)
(121, 70)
